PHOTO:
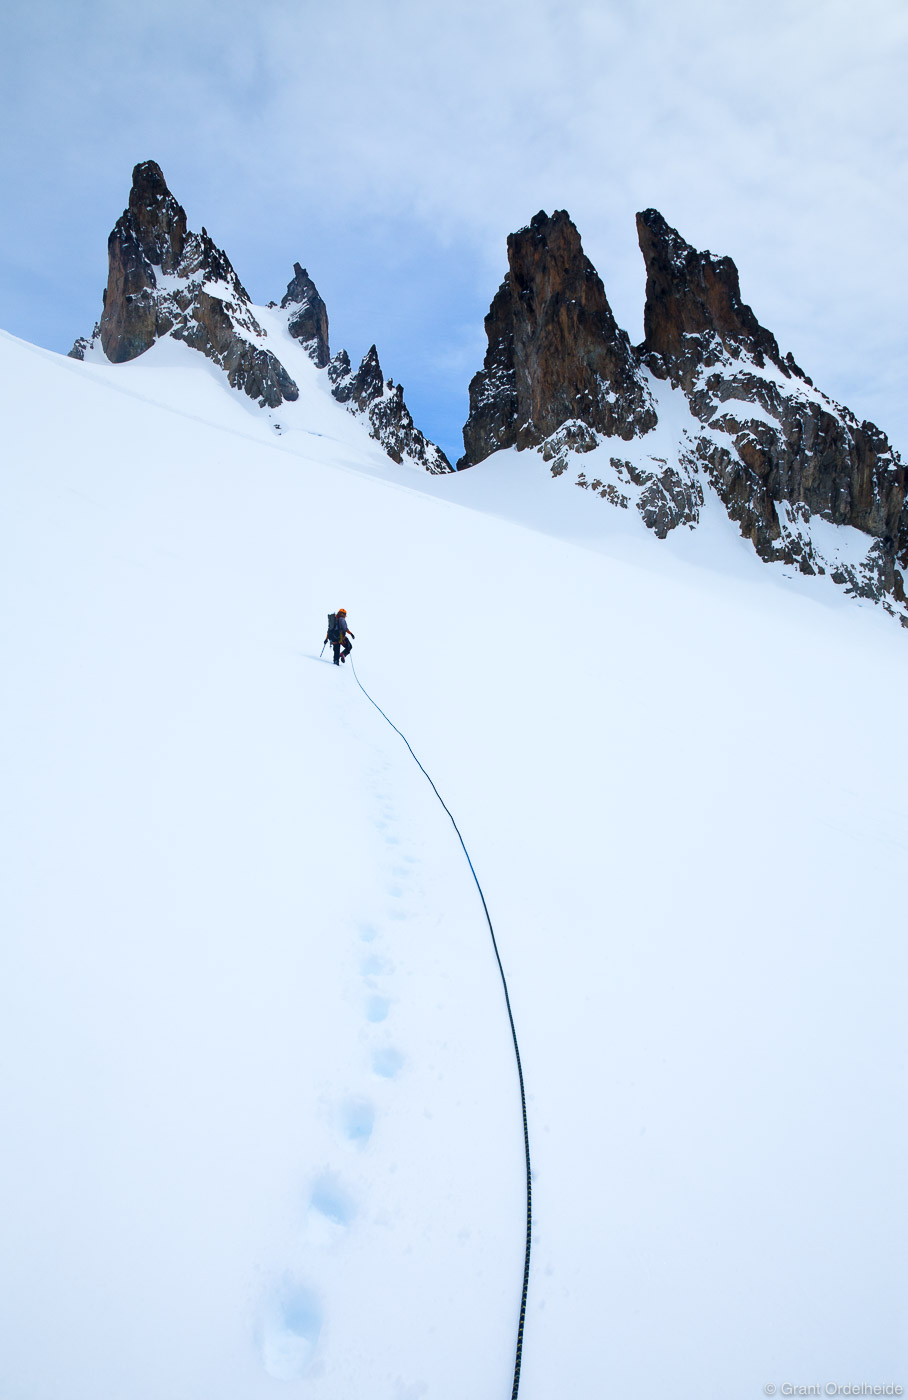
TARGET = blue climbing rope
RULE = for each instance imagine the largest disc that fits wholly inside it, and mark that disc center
(523, 1098)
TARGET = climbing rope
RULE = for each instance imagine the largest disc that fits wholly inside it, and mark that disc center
(507, 1000)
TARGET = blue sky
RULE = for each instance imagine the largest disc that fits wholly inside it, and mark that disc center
(392, 147)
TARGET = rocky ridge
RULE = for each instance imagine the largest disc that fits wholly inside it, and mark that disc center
(779, 451)
(706, 408)
(382, 403)
(164, 280)
(785, 461)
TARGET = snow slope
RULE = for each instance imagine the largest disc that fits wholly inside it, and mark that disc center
(259, 1100)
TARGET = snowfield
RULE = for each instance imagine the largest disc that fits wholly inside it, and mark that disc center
(261, 1120)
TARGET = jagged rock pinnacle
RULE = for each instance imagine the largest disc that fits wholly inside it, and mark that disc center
(150, 242)
(555, 351)
(692, 297)
(308, 320)
(383, 406)
(167, 281)
(561, 375)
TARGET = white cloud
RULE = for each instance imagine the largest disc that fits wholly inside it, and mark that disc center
(771, 132)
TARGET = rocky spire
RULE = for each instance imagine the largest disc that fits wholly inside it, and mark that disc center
(778, 450)
(308, 319)
(781, 455)
(165, 280)
(693, 308)
(556, 354)
(150, 232)
(366, 394)
(361, 389)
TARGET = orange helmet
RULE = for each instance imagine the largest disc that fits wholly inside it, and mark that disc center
(342, 610)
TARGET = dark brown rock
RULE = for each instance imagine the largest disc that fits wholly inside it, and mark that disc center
(308, 320)
(774, 440)
(569, 438)
(365, 393)
(150, 233)
(84, 343)
(210, 327)
(555, 351)
(693, 309)
(361, 389)
(338, 369)
(669, 498)
(164, 280)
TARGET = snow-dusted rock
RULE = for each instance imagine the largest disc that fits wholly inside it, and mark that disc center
(382, 405)
(555, 350)
(308, 319)
(165, 280)
(773, 439)
(707, 401)
(84, 343)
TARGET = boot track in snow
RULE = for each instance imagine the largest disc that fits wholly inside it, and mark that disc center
(523, 1102)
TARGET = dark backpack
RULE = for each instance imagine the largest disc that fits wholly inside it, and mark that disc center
(333, 629)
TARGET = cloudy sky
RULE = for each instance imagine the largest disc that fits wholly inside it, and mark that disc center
(391, 145)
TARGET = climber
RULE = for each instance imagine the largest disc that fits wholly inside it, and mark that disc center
(340, 637)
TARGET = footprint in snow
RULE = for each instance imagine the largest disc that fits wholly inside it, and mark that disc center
(290, 1327)
(329, 1199)
(357, 1120)
(373, 965)
(377, 1008)
(387, 1062)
